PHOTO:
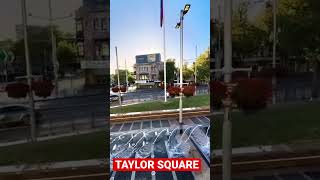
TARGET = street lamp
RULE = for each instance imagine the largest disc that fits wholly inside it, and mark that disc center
(180, 26)
(29, 72)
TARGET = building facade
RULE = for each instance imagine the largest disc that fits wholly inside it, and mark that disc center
(147, 67)
(93, 39)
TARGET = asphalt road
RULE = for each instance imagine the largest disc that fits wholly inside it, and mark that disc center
(141, 95)
(63, 114)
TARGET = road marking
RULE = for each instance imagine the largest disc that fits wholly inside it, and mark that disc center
(72, 177)
(133, 175)
(131, 126)
(121, 127)
(174, 175)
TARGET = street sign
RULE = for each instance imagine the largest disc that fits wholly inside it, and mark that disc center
(6, 56)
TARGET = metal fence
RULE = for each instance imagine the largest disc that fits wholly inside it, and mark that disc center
(53, 128)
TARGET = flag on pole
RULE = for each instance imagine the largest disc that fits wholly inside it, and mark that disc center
(161, 13)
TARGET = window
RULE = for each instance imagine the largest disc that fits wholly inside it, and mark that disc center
(104, 24)
(80, 49)
(102, 49)
(143, 77)
(105, 49)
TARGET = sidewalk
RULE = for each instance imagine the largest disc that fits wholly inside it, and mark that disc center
(307, 146)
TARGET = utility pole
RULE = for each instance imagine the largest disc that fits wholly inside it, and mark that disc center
(29, 72)
(274, 78)
(195, 71)
(118, 72)
(218, 55)
(227, 102)
(227, 125)
(125, 63)
(164, 55)
(181, 74)
(54, 52)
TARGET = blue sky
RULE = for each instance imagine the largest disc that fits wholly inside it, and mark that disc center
(135, 29)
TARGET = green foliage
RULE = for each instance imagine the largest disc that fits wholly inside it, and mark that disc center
(66, 51)
(187, 72)
(122, 77)
(171, 70)
(203, 67)
(247, 38)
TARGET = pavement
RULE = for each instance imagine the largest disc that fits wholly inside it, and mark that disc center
(296, 161)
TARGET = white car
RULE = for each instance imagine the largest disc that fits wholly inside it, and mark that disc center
(115, 97)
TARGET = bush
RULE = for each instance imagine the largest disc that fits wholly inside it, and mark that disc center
(123, 89)
(17, 90)
(115, 89)
(188, 91)
(218, 90)
(42, 88)
(252, 94)
(174, 91)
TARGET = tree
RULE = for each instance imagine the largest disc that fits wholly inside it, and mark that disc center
(122, 76)
(247, 38)
(203, 67)
(171, 70)
(66, 52)
(40, 48)
(299, 32)
(187, 72)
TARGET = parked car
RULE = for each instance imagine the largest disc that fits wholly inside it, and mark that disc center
(16, 115)
(115, 97)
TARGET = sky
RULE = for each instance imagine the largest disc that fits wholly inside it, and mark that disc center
(10, 14)
(255, 7)
(135, 29)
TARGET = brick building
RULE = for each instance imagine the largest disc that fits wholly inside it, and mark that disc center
(93, 39)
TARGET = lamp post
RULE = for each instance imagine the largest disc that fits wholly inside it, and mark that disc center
(180, 26)
(274, 80)
(125, 64)
(29, 72)
(118, 76)
(195, 71)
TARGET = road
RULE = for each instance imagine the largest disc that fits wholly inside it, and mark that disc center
(64, 114)
(75, 113)
(141, 95)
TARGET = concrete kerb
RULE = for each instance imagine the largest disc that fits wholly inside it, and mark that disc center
(156, 115)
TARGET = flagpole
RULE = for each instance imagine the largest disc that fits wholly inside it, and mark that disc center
(164, 55)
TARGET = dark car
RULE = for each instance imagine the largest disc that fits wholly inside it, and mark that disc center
(16, 115)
